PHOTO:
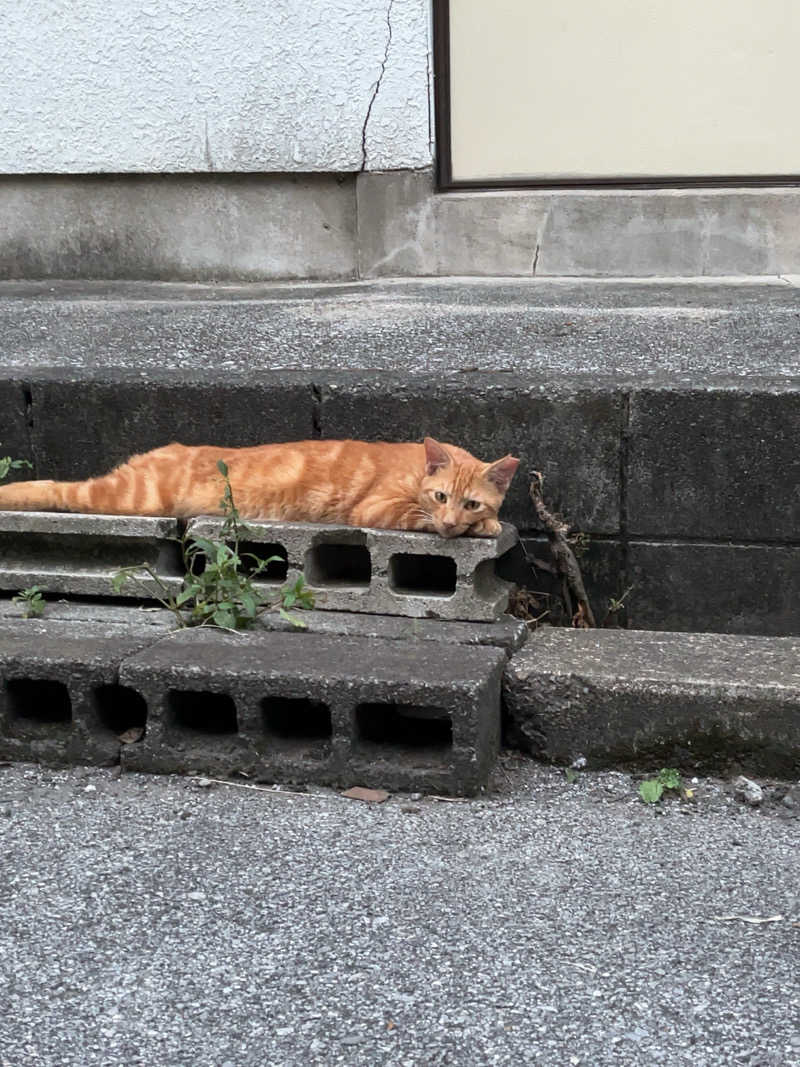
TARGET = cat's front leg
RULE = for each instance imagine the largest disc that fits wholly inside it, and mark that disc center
(485, 528)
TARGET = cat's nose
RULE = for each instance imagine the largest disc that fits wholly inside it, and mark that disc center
(448, 526)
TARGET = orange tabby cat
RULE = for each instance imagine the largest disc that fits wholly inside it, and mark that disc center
(428, 486)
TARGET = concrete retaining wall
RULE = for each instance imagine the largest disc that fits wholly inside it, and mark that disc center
(707, 535)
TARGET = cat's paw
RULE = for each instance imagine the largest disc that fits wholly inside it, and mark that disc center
(486, 528)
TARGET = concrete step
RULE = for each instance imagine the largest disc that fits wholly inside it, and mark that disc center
(664, 416)
(331, 710)
(709, 702)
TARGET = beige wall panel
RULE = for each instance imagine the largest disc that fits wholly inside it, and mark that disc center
(624, 88)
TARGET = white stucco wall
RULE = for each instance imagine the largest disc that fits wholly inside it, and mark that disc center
(187, 85)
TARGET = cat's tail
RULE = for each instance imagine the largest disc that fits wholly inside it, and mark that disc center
(46, 496)
(119, 493)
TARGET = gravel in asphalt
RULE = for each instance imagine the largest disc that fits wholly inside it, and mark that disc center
(174, 921)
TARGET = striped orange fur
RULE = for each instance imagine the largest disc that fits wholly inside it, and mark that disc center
(430, 486)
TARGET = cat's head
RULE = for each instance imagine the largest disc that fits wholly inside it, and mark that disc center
(458, 490)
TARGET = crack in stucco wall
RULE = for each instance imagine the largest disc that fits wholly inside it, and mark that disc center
(377, 86)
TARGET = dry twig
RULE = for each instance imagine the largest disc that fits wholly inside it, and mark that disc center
(566, 565)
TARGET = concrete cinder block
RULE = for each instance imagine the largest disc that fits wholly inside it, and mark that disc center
(387, 572)
(122, 414)
(734, 589)
(330, 710)
(569, 431)
(80, 554)
(721, 463)
(638, 698)
(60, 701)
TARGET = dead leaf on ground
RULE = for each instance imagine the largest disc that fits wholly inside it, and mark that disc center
(129, 737)
(369, 796)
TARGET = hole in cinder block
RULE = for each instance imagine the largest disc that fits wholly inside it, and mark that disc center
(38, 700)
(417, 727)
(206, 713)
(332, 564)
(275, 571)
(417, 575)
(120, 708)
(296, 718)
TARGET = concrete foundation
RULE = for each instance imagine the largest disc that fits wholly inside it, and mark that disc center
(190, 227)
(234, 227)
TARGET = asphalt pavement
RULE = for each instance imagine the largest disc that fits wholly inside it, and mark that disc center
(167, 921)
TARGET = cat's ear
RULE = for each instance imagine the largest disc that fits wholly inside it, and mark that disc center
(501, 472)
(436, 456)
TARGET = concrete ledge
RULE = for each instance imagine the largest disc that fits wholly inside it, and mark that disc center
(385, 572)
(637, 698)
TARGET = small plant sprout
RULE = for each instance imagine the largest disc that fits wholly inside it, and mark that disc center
(615, 604)
(7, 464)
(652, 789)
(31, 600)
(215, 591)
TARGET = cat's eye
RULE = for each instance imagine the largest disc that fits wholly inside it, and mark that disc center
(472, 505)
(440, 497)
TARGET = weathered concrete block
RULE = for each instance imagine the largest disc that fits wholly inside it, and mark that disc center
(336, 711)
(570, 432)
(388, 572)
(60, 701)
(716, 464)
(80, 554)
(734, 589)
(122, 414)
(628, 697)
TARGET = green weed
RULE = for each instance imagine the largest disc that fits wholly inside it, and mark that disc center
(31, 600)
(215, 591)
(7, 464)
(652, 789)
